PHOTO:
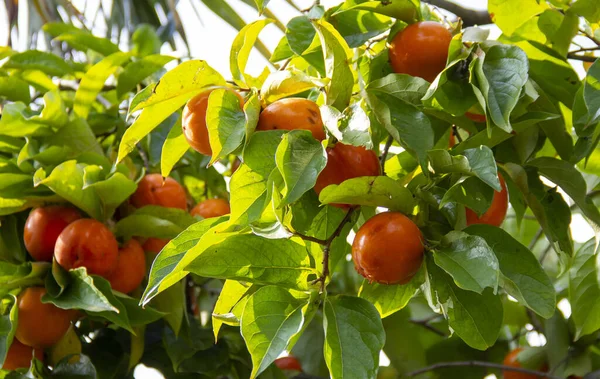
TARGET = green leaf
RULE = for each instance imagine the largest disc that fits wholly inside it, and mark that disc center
(478, 161)
(112, 191)
(370, 190)
(280, 84)
(405, 10)
(300, 34)
(472, 193)
(469, 260)
(271, 318)
(145, 41)
(501, 76)
(357, 26)
(20, 275)
(173, 149)
(476, 318)
(254, 259)
(350, 127)
(309, 348)
(588, 9)
(154, 221)
(8, 325)
(67, 181)
(231, 293)
(337, 56)
(522, 276)
(174, 89)
(93, 81)
(584, 290)
(225, 121)
(135, 72)
(17, 121)
(261, 5)
(388, 299)
(354, 336)
(14, 89)
(405, 123)
(404, 343)
(83, 41)
(240, 51)
(249, 183)
(410, 89)
(591, 100)
(12, 248)
(510, 15)
(82, 293)
(39, 60)
(300, 158)
(168, 267)
(571, 181)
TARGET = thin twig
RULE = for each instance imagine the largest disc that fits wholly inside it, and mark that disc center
(456, 134)
(584, 58)
(592, 38)
(536, 238)
(425, 323)
(384, 154)
(441, 365)
(470, 17)
(326, 246)
(144, 156)
(585, 49)
(285, 64)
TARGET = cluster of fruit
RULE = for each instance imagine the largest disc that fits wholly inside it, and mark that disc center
(60, 233)
(388, 248)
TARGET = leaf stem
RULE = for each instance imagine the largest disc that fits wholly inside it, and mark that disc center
(441, 365)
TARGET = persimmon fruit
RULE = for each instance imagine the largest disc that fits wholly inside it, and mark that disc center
(388, 249)
(87, 243)
(40, 325)
(193, 121)
(512, 361)
(130, 269)
(346, 162)
(288, 363)
(293, 114)
(496, 212)
(153, 190)
(43, 227)
(155, 245)
(211, 208)
(420, 49)
(20, 356)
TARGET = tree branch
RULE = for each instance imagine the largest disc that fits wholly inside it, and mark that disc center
(441, 365)
(426, 325)
(470, 17)
(326, 246)
(583, 58)
(384, 154)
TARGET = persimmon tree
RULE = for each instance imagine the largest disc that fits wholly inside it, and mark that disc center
(398, 183)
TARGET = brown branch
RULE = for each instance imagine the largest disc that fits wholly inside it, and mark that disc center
(583, 58)
(583, 49)
(326, 246)
(425, 323)
(441, 365)
(470, 17)
(384, 154)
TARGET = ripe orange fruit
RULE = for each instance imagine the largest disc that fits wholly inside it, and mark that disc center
(155, 245)
(43, 227)
(451, 141)
(211, 208)
(388, 249)
(420, 49)
(153, 190)
(511, 361)
(20, 356)
(193, 121)
(292, 114)
(496, 212)
(288, 363)
(346, 162)
(130, 269)
(40, 325)
(87, 243)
